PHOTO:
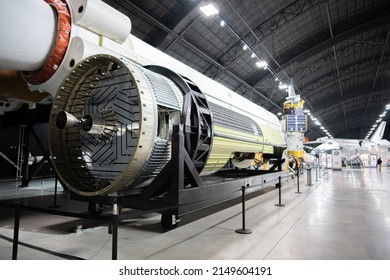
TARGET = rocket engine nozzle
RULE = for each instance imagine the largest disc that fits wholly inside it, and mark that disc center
(66, 120)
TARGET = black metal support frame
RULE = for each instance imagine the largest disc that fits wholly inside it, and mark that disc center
(26, 151)
(179, 189)
(26, 178)
(184, 189)
(55, 195)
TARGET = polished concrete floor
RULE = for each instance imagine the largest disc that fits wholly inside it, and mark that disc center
(343, 215)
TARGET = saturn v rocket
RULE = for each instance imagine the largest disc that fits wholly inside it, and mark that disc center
(117, 99)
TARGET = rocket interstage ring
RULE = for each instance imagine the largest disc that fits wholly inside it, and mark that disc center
(196, 117)
(110, 125)
(60, 45)
(198, 126)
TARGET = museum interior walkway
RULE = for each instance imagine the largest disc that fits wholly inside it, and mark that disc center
(342, 215)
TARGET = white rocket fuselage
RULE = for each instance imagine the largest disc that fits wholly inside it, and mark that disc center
(82, 29)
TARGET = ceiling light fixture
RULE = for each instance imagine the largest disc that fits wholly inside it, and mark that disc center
(209, 10)
(283, 86)
(261, 63)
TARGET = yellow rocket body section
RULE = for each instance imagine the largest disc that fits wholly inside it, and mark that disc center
(298, 154)
(223, 147)
(228, 141)
(240, 126)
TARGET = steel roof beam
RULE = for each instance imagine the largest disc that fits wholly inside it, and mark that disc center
(319, 62)
(321, 41)
(361, 89)
(312, 87)
(204, 55)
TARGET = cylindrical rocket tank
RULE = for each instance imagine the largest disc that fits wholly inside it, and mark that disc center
(112, 123)
(29, 48)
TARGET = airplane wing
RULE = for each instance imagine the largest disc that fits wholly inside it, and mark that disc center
(378, 133)
(317, 141)
(312, 142)
(349, 143)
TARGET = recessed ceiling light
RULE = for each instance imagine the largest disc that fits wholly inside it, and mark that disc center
(261, 63)
(209, 10)
(282, 86)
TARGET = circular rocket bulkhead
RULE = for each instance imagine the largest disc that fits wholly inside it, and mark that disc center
(111, 127)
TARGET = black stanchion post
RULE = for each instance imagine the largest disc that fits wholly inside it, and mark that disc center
(16, 232)
(308, 177)
(298, 192)
(55, 195)
(279, 186)
(115, 223)
(243, 230)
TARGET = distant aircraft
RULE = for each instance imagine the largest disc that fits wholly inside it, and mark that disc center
(326, 145)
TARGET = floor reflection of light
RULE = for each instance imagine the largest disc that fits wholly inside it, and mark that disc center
(378, 202)
(387, 221)
(318, 213)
